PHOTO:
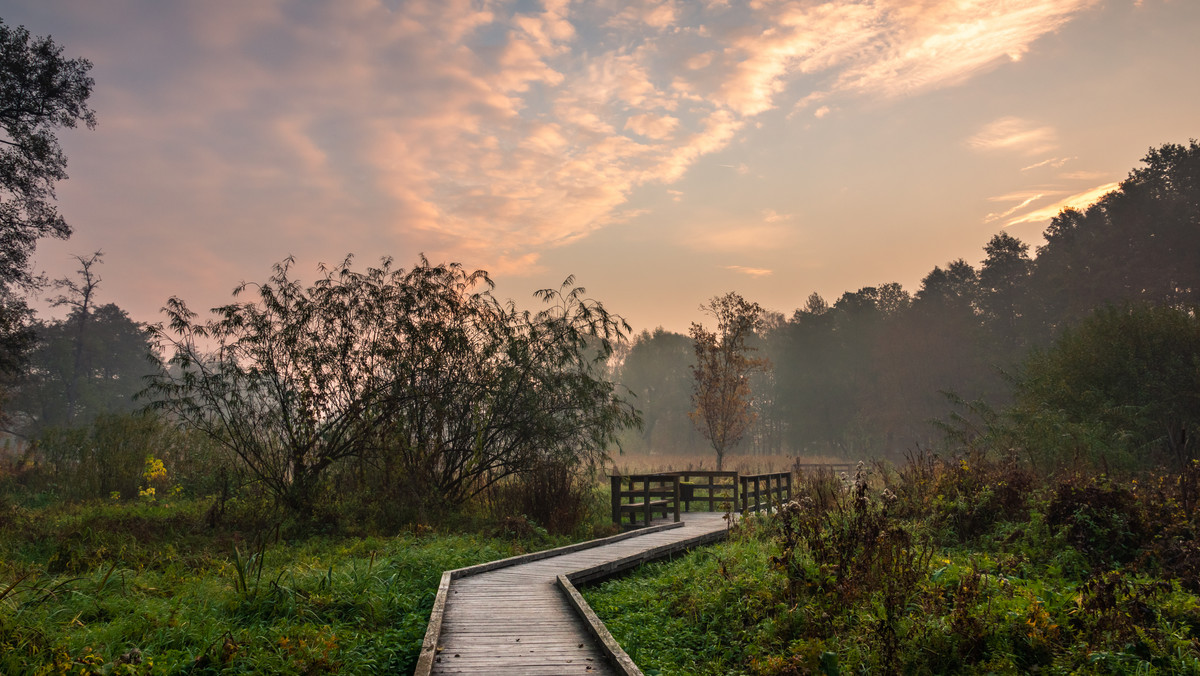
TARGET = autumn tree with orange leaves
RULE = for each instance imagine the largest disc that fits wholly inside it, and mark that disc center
(722, 397)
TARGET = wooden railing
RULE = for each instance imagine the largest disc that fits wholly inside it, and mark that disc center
(712, 491)
(765, 491)
(641, 496)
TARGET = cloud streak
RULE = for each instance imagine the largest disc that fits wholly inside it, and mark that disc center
(750, 272)
(1014, 134)
(497, 130)
(1080, 201)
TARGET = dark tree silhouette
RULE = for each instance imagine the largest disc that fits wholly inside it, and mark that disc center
(419, 371)
(40, 91)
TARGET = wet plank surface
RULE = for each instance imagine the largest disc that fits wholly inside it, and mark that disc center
(516, 621)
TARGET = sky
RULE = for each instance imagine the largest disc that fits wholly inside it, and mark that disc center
(661, 151)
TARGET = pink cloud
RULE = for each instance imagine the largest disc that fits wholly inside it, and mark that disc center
(479, 129)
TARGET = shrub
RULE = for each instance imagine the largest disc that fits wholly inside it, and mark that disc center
(843, 548)
(1103, 520)
(555, 494)
(965, 496)
(1119, 389)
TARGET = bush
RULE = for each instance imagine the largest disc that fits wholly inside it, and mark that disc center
(555, 494)
(421, 375)
(1118, 390)
(843, 548)
(1103, 520)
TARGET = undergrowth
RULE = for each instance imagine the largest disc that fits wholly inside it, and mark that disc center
(955, 565)
(151, 588)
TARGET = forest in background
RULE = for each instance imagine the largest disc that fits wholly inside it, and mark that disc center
(868, 374)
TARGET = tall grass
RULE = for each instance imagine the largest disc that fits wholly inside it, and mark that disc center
(701, 461)
(908, 574)
(140, 588)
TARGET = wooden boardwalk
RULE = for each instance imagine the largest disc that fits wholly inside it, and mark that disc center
(516, 620)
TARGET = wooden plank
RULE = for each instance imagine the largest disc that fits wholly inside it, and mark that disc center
(486, 612)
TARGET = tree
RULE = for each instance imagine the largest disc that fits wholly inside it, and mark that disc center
(90, 363)
(1139, 243)
(39, 92)
(658, 371)
(722, 398)
(419, 371)
(72, 378)
(80, 297)
(1119, 388)
(1003, 287)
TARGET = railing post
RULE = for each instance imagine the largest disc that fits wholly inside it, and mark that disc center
(646, 499)
(676, 480)
(616, 498)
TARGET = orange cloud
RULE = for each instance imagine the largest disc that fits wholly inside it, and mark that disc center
(490, 130)
(652, 126)
(748, 238)
(1077, 201)
(752, 272)
(1015, 134)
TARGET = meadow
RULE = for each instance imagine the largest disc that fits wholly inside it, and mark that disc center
(963, 563)
(150, 588)
(956, 565)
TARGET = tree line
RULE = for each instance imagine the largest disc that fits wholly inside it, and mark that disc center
(869, 372)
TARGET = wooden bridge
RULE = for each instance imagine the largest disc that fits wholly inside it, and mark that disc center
(523, 615)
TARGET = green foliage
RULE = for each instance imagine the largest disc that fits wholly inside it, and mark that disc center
(1057, 581)
(434, 388)
(107, 458)
(1119, 390)
(553, 494)
(1101, 519)
(159, 593)
(964, 497)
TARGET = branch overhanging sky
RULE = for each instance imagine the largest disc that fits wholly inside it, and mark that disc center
(662, 151)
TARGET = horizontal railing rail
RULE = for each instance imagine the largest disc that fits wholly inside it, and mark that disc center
(712, 491)
(637, 498)
(641, 496)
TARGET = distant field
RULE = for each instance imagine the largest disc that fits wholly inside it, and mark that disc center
(743, 464)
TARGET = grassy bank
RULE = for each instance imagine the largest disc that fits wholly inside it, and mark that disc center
(129, 588)
(947, 572)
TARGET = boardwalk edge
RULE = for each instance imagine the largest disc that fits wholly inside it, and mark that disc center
(433, 632)
(616, 655)
(620, 660)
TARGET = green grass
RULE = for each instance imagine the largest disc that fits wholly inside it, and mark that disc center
(1020, 595)
(147, 588)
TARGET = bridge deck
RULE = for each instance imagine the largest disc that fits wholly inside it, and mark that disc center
(515, 621)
